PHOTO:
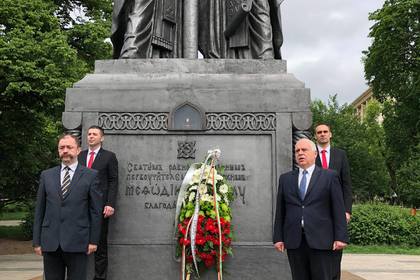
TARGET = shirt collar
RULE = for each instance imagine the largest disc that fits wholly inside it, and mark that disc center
(71, 166)
(327, 149)
(95, 151)
(310, 169)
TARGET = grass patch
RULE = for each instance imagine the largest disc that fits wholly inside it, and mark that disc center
(7, 216)
(12, 232)
(378, 249)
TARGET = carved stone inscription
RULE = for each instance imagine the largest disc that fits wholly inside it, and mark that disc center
(151, 175)
(158, 184)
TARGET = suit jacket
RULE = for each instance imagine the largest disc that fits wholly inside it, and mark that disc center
(107, 165)
(340, 163)
(322, 210)
(73, 222)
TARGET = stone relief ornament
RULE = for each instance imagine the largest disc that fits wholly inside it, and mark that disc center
(214, 121)
(186, 149)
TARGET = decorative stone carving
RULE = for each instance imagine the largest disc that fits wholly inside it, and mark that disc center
(133, 121)
(186, 149)
(241, 121)
(214, 121)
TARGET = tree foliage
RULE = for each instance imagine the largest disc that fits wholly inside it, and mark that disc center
(363, 142)
(43, 51)
(392, 65)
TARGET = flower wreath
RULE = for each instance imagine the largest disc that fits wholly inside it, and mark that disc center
(203, 218)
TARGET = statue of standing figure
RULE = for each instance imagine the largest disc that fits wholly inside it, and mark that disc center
(146, 28)
(239, 29)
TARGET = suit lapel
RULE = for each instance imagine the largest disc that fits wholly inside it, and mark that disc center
(97, 158)
(57, 179)
(312, 182)
(332, 163)
(295, 183)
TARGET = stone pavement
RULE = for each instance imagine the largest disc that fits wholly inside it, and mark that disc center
(355, 267)
(383, 267)
(20, 267)
(10, 223)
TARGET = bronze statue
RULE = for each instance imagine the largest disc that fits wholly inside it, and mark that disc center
(226, 29)
(146, 28)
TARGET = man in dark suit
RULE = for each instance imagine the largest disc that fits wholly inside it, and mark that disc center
(335, 159)
(310, 216)
(67, 215)
(105, 162)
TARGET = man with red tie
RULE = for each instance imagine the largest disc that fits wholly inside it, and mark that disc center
(105, 162)
(336, 159)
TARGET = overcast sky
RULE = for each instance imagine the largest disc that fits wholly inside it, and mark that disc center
(323, 44)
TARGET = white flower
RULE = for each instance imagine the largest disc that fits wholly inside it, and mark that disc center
(218, 177)
(218, 198)
(226, 199)
(206, 197)
(224, 188)
(215, 153)
(191, 197)
(193, 188)
(202, 189)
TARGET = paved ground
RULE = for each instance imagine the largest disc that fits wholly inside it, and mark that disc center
(24, 265)
(383, 267)
(356, 267)
(10, 223)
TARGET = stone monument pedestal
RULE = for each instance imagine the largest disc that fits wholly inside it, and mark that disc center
(160, 116)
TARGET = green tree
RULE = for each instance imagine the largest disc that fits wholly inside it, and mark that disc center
(408, 177)
(87, 24)
(392, 65)
(361, 141)
(36, 66)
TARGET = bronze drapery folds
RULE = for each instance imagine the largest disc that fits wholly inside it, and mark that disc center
(146, 28)
(240, 29)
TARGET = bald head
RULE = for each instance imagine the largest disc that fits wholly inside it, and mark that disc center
(305, 153)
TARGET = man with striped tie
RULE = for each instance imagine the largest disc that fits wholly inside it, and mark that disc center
(67, 215)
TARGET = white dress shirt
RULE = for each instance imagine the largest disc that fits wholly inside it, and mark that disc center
(71, 171)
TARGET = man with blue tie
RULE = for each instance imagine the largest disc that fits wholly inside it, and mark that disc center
(67, 215)
(310, 216)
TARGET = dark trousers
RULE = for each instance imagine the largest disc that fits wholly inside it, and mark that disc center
(101, 255)
(310, 264)
(56, 263)
(337, 256)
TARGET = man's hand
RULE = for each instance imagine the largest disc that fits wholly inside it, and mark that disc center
(338, 245)
(279, 246)
(108, 211)
(91, 249)
(348, 217)
(38, 250)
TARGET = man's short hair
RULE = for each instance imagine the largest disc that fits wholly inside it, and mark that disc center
(98, 128)
(68, 134)
(322, 123)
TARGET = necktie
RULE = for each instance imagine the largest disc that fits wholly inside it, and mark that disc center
(302, 185)
(66, 183)
(92, 156)
(324, 159)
